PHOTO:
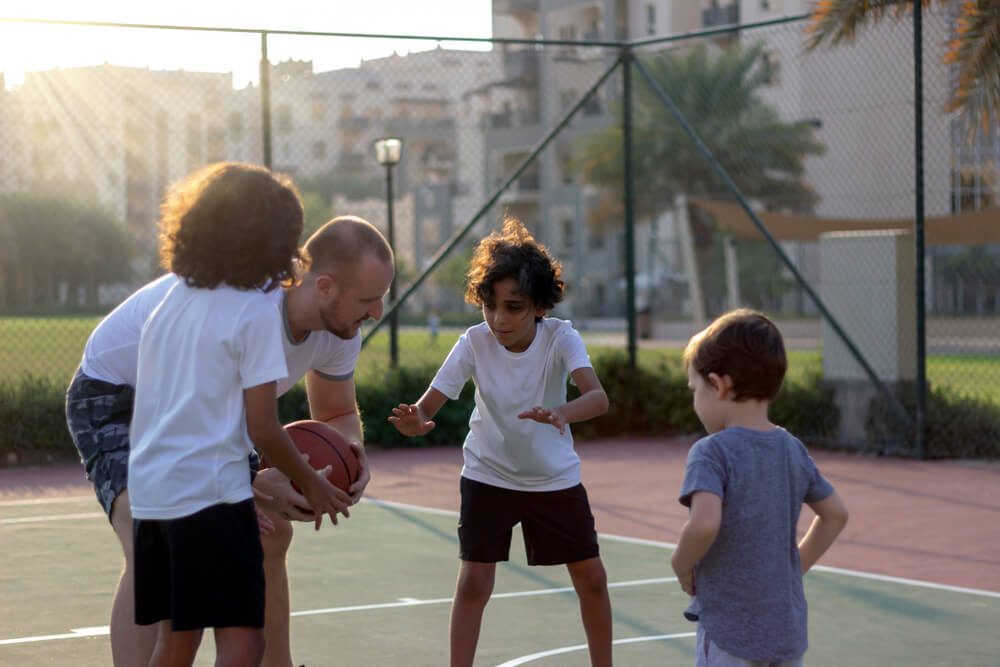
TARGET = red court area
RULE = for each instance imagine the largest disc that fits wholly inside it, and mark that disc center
(935, 521)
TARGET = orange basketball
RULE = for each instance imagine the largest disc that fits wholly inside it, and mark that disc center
(325, 447)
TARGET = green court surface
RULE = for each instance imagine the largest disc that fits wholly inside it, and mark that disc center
(376, 591)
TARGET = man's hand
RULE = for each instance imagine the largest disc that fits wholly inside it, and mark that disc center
(274, 492)
(364, 473)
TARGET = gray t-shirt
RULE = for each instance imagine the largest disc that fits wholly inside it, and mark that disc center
(749, 599)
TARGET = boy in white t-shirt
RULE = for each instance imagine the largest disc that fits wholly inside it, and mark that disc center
(210, 356)
(520, 466)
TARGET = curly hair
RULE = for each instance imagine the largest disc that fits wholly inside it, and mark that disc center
(232, 223)
(746, 346)
(514, 253)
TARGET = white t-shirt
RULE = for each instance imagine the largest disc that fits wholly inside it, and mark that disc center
(200, 349)
(501, 449)
(112, 350)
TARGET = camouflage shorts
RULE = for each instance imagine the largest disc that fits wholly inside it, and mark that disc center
(98, 414)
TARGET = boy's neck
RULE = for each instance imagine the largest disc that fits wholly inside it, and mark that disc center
(750, 414)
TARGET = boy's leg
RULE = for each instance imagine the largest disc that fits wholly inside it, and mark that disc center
(558, 528)
(591, 584)
(131, 644)
(472, 592)
(277, 609)
(238, 646)
(174, 649)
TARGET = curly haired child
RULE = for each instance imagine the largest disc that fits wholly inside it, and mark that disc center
(520, 465)
(210, 356)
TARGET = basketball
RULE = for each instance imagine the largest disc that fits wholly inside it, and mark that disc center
(325, 447)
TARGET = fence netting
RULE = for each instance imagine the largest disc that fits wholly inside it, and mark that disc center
(820, 145)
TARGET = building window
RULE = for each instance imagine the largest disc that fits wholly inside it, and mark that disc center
(651, 19)
(567, 234)
(567, 98)
(319, 150)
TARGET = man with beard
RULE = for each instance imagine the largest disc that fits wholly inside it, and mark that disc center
(349, 271)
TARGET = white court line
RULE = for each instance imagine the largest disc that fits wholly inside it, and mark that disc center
(606, 536)
(403, 602)
(52, 517)
(45, 501)
(581, 647)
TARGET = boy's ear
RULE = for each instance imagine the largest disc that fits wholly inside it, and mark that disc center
(722, 384)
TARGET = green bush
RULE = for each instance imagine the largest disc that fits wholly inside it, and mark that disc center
(33, 421)
(806, 409)
(957, 426)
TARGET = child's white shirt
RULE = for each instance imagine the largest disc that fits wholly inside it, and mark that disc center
(501, 449)
(199, 350)
(112, 351)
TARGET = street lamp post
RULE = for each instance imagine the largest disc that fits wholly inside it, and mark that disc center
(387, 153)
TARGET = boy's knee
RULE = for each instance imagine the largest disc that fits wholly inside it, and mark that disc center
(476, 583)
(589, 577)
(276, 543)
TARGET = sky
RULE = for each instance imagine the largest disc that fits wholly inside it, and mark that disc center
(27, 47)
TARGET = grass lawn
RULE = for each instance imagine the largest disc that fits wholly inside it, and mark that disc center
(52, 347)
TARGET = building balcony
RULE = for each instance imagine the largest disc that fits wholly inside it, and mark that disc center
(515, 118)
(521, 64)
(719, 16)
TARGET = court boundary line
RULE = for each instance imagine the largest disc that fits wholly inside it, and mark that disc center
(607, 536)
(581, 647)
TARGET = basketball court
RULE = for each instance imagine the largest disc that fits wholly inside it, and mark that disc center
(903, 586)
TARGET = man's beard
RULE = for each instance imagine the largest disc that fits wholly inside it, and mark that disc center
(340, 332)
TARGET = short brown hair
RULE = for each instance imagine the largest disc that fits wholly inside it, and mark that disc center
(746, 346)
(514, 253)
(232, 223)
(341, 242)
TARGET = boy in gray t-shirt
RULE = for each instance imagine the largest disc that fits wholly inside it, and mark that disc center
(745, 484)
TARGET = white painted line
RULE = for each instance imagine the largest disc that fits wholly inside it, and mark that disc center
(75, 633)
(53, 517)
(405, 506)
(582, 647)
(46, 501)
(415, 602)
(822, 568)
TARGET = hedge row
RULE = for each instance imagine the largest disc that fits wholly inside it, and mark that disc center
(645, 402)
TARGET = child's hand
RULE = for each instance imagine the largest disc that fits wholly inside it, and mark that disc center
(687, 582)
(325, 498)
(408, 420)
(545, 416)
(264, 523)
(274, 492)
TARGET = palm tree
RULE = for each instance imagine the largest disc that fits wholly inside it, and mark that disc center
(975, 51)
(720, 96)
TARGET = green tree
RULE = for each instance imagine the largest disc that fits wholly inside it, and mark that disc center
(55, 240)
(975, 50)
(317, 210)
(720, 96)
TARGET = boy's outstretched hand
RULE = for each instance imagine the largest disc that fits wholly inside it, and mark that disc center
(409, 421)
(545, 416)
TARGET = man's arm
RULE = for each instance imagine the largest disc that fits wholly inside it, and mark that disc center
(335, 402)
(697, 537)
(831, 517)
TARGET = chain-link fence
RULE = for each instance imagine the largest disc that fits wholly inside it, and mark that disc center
(656, 236)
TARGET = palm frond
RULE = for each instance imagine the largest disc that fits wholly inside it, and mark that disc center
(836, 21)
(976, 52)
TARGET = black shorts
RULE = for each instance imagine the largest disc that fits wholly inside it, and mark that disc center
(558, 526)
(205, 570)
(98, 415)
